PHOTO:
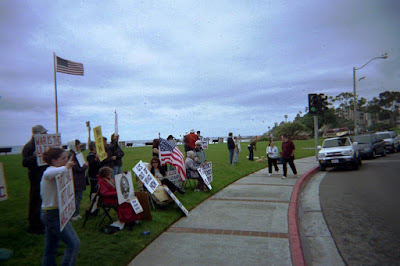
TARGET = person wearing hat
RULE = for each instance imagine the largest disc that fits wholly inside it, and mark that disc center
(35, 172)
(191, 139)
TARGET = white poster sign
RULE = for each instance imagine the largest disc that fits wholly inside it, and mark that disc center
(172, 195)
(124, 186)
(204, 177)
(66, 197)
(145, 176)
(204, 143)
(43, 142)
(174, 177)
(3, 185)
(136, 205)
(80, 159)
(207, 169)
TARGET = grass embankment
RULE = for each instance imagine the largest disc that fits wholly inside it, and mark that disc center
(118, 249)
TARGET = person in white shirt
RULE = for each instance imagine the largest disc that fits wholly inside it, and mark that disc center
(272, 152)
(59, 164)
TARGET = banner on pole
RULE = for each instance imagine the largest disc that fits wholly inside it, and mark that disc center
(43, 142)
(66, 197)
(145, 177)
(3, 185)
(98, 138)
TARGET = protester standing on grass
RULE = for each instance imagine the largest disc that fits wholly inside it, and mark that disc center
(272, 153)
(231, 147)
(35, 172)
(59, 164)
(117, 154)
(236, 150)
(252, 146)
(79, 175)
(287, 155)
(94, 166)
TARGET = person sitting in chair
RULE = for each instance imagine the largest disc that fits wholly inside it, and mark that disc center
(108, 193)
(191, 169)
(159, 173)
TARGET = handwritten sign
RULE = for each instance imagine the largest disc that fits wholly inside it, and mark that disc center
(172, 195)
(124, 186)
(145, 176)
(174, 177)
(204, 177)
(3, 185)
(136, 205)
(98, 138)
(204, 143)
(207, 169)
(66, 197)
(43, 142)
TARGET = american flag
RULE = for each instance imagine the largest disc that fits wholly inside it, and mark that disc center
(170, 153)
(69, 67)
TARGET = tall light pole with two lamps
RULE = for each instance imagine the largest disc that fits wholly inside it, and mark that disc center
(384, 56)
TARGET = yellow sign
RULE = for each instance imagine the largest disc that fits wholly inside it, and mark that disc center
(98, 138)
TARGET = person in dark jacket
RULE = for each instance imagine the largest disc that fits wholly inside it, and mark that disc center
(109, 161)
(252, 146)
(94, 166)
(118, 153)
(231, 147)
(35, 173)
(79, 175)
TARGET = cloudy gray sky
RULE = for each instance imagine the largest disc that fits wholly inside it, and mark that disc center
(169, 66)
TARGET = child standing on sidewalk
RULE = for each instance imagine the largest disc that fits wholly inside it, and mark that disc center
(59, 163)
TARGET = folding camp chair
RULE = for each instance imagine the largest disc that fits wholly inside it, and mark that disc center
(190, 180)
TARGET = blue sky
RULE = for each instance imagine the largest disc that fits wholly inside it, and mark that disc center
(170, 66)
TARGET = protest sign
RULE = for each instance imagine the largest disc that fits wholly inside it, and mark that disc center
(204, 143)
(66, 197)
(145, 176)
(207, 169)
(136, 205)
(3, 185)
(204, 177)
(174, 177)
(172, 195)
(43, 142)
(98, 138)
(80, 159)
(124, 186)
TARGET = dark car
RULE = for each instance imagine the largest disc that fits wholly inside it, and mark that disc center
(392, 140)
(370, 145)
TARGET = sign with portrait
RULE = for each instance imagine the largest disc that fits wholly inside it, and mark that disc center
(124, 187)
(98, 138)
(66, 197)
(3, 185)
(172, 195)
(145, 176)
(43, 142)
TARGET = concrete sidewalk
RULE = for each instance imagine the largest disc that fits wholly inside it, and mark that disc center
(246, 223)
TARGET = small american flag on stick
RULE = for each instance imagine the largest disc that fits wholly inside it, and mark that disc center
(170, 153)
(69, 67)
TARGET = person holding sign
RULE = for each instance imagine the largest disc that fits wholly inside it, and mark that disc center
(200, 155)
(79, 174)
(35, 173)
(108, 192)
(159, 173)
(58, 160)
(191, 169)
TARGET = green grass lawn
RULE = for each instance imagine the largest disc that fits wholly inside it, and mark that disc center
(120, 248)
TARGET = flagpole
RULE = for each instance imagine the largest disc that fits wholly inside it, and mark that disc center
(55, 90)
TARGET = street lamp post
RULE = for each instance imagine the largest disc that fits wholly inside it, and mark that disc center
(384, 56)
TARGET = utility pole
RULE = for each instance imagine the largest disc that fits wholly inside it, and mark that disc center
(88, 126)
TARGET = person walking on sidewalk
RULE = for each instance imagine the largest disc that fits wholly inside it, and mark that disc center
(272, 153)
(287, 155)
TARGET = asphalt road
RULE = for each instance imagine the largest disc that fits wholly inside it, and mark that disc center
(362, 210)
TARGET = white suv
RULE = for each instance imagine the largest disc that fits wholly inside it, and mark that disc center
(338, 151)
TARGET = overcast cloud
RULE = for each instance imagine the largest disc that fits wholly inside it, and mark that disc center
(170, 66)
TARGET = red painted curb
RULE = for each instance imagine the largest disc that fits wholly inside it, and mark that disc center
(296, 249)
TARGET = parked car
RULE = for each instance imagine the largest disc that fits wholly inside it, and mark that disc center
(369, 145)
(339, 152)
(392, 140)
